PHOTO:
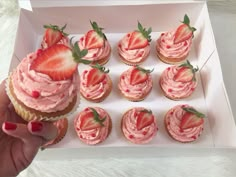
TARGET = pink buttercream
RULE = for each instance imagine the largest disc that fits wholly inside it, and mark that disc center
(96, 53)
(129, 128)
(135, 55)
(134, 91)
(64, 40)
(93, 91)
(173, 120)
(165, 45)
(53, 95)
(174, 89)
(96, 135)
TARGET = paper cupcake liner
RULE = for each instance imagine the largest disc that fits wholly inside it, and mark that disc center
(29, 115)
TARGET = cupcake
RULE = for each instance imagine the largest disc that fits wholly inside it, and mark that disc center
(93, 125)
(96, 43)
(184, 123)
(134, 47)
(139, 125)
(45, 84)
(62, 126)
(54, 35)
(173, 46)
(135, 83)
(178, 82)
(95, 83)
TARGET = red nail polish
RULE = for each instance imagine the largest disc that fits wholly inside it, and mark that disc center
(10, 126)
(36, 126)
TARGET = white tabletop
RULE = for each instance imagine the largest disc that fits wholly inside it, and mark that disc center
(223, 15)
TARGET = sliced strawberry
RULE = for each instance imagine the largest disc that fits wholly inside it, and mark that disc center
(93, 40)
(58, 61)
(145, 118)
(184, 31)
(191, 118)
(90, 120)
(95, 76)
(185, 73)
(53, 34)
(139, 75)
(140, 38)
(137, 41)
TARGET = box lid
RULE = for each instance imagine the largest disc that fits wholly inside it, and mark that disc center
(30, 4)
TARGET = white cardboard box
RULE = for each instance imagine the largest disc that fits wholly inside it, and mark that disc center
(210, 96)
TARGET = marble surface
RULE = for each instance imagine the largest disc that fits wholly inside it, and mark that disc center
(223, 15)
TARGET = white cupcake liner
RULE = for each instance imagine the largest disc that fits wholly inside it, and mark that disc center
(28, 115)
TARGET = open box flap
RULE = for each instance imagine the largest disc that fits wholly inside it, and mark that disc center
(30, 4)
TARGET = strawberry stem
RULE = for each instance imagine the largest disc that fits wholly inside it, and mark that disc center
(97, 117)
(98, 29)
(57, 28)
(145, 33)
(194, 111)
(79, 54)
(188, 65)
(101, 68)
(144, 70)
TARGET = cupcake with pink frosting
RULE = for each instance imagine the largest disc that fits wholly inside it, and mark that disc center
(45, 85)
(135, 83)
(184, 123)
(178, 82)
(134, 47)
(95, 83)
(139, 125)
(93, 125)
(173, 46)
(96, 43)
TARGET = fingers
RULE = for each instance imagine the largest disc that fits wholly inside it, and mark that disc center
(46, 130)
(4, 98)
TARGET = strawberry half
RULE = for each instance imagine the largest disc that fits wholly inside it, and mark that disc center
(145, 118)
(186, 73)
(94, 38)
(91, 120)
(59, 62)
(140, 38)
(96, 75)
(191, 118)
(53, 34)
(184, 31)
(139, 75)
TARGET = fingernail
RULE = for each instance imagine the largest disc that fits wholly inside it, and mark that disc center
(10, 126)
(36, 126)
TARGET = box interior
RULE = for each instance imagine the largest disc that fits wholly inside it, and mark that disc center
(209, 97)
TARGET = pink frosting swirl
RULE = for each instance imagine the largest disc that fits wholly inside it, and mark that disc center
(173, 89)
(96, 135)
(173, 120)
(129, 128)
(94, 91)
(165, 45)
(96, 53)
(135, 55)
(134, 91)
(53, 95)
